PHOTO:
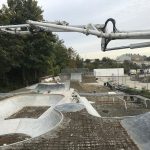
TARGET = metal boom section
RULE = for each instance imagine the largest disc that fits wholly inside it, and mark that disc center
(99, 30)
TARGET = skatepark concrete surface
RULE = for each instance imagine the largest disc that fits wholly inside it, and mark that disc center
(65, 101)
(70, 107)
(49, 87)
(16, 103)
(138, 128)
(76, 77)
(32, 127)
(62, 102)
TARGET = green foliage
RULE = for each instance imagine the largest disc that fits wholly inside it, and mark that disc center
(129, 65)
(142, 92)
(23, 59)
(109, 63)
(104, 63)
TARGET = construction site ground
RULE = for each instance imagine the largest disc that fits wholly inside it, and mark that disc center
(113, 107)
(88, 87)
(12, 138)
(88, 79)
(109, 106)
(29, 112)
(125, 80)
(81, 131)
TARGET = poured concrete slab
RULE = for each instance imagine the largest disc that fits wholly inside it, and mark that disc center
(11, 105)
(81, 131)
(76, 77)
(74, 127)
(70, 107)
(138, 128)
(89, 107)
(49, 87)
(29, 126)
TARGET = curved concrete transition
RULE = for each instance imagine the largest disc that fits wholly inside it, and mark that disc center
(138, 128)
(14, 104)
(29, 126)
(49, 87)
(70, 107)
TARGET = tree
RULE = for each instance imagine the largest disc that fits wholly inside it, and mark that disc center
(79, 62)
(23, 59)
(17, 12)
(22, 10)
(96, 63)
(72, 58)
(88, 64)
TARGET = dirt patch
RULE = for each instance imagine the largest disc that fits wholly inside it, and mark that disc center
(88, 79)
(89, 132)
(88, 88)
(115, 107)
(29, 112)
(82, 131)
(12, 138)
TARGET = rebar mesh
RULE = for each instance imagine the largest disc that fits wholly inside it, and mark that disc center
(83, 132)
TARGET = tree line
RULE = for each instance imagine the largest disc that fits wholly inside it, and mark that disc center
(106, 62)
(26, 58)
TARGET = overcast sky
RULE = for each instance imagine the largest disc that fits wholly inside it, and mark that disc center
(129, 15)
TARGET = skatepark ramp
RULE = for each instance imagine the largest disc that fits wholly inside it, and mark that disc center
(76, 77)
(12, 105)
(138, 128)
(49, 87)
(22, 122)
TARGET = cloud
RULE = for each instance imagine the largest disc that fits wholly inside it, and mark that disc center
(2, 2)
(129, 15)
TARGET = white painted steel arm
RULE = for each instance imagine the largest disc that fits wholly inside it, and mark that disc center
(117, 35)
(15, 32)
(131, 46)
(14, 26)
(98, 30)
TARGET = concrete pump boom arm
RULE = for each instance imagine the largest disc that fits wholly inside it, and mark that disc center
(99, 30)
